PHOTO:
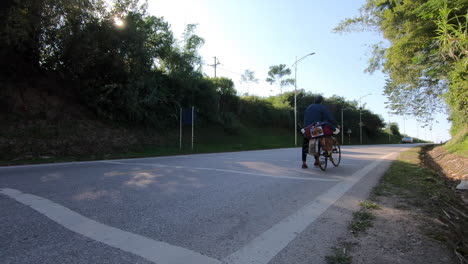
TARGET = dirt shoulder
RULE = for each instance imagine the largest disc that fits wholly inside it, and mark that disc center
(414, 215)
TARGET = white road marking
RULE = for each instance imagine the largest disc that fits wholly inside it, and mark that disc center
(265, 247)
(225, 170)
(152, 250)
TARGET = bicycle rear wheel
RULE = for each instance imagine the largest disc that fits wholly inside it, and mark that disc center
(322, 158)
(335, 157)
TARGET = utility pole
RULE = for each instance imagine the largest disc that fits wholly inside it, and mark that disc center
(295, 103)
(389, 130)
(342, 125)
(417, 129)
(360, 119)
(295, 96)
(360, 125)
(216, 63)
(404, 124)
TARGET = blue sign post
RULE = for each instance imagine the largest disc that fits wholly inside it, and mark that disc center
(187, 117)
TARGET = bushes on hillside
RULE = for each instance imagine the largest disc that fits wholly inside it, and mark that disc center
(135, 72)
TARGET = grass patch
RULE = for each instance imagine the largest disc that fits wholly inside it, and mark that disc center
(216, 140)
(339, 256)
(408, 178)
(459, 143)
(362, 220)
(434, 195)
(369, 205)
(206, 140)
(443, 214)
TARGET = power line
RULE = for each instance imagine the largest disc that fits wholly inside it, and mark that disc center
(240, 74)
(230, 71)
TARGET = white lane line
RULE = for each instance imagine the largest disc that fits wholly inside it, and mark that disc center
(152, 250)
(225, 170)
(265, 247)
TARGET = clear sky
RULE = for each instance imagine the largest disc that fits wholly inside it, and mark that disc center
(255, 34)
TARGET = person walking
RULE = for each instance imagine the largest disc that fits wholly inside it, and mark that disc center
(316, 113)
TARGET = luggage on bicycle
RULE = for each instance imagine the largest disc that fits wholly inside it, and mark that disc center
(316, 130)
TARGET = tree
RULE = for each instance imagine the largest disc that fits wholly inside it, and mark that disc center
(226, 92)
(224, 86)
(192, 43)
(418, 76)
(453, 40)
(136, 72)
(394, 129)
(248, 77)
(277, 74)
(33, 30)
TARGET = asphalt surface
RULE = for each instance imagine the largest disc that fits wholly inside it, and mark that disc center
(238, 207)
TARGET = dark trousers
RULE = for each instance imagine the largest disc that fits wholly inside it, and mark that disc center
(305, 149)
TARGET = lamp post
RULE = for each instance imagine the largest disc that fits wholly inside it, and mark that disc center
(295, 95)
(342, 126)
(404, 124)
(389, 130)
(360, 119)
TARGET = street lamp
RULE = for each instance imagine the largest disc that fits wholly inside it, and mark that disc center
(404, 124)
(342, 126)
(295, 95)
(389, 130)
(360, 120)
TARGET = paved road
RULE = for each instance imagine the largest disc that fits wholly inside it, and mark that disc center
(242, 207)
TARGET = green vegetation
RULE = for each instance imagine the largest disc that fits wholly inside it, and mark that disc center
(207, 140)
(74, 83)
(413, 186)
(362, 220)
(339, 256)
(459, 143)
(426, 60)
(369, 205)
(432, 194)
(277, 75)
(408, 178)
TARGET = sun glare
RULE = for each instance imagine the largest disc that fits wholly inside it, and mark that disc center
(118, 22)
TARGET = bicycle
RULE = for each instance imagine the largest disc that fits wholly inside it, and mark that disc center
(317, 147)
(323, 156)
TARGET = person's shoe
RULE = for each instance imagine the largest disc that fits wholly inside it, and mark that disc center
(304, 166)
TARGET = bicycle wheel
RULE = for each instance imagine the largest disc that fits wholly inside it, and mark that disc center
(322, 158)
(335, 157)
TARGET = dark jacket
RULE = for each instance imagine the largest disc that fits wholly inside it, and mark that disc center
(319, 113)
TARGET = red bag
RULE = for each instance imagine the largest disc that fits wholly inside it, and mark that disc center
(327, 130)
(316, 130)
